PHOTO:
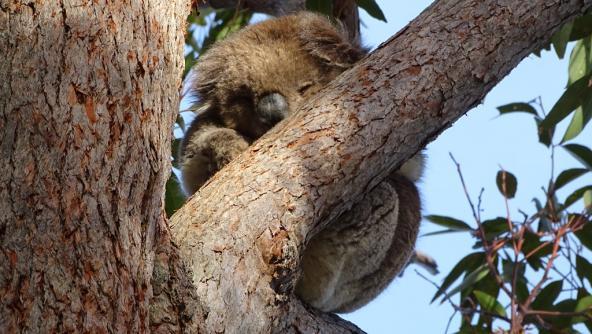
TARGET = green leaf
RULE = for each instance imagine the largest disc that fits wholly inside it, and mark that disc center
(531, 242)
(583, 268)
(190, 61)
(517, 107)
(576, 196)
(466, 264)
(522, 289)
(508, 267)
(582, 27)
(548, 295)
(488, 285)
(372, 8)
(581, 153)
(320, 6)
(174, 197)
(449, 222)
(569, 175)
(579, 120)
(585, 235)
(225, 22)
(572, 98)
(580, 61)
(470, 280)
(175, 151)
(545, 133)
(584, 304)
(562, 323)
(506, 183)
(489, 303)
(561, 38)
(495, 227)
(181, 122)
(440, 232)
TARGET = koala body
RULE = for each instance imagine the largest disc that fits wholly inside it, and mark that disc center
(252, 80)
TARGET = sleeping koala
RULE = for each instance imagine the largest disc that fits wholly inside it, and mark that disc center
(252, 80)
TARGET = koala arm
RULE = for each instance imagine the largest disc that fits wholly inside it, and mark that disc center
(206, 148)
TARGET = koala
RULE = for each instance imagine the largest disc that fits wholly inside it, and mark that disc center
(258, 76)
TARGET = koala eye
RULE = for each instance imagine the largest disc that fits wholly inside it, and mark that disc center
(304, 88)
(272, 108)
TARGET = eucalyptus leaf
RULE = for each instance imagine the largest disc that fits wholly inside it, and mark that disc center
(569, 175)
(372, 8)
(449, 222)
(547, 296)
(580, 60)
(561, 38)
(581, 153)
(585, 235)
(174, 197)
(583, 268)
(572, 98)
(506, 183)
(517, 107)
(466, 264)
(489, 303)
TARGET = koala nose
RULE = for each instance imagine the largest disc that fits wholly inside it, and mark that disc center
(272, 108)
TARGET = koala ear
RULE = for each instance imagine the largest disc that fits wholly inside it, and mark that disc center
(328, 41)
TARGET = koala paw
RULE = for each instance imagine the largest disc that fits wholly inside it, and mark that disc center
(207, 152)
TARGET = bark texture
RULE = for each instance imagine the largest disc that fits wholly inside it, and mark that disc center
(88, 96)
(243, 232)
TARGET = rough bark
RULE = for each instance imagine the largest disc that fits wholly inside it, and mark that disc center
(88, 96)
(243, 232)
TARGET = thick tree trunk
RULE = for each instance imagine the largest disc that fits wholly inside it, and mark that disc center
(88, 96)
(243, 232)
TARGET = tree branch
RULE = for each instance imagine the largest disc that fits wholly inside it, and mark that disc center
(242, 233)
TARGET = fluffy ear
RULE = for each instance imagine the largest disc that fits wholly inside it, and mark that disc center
(327, 41)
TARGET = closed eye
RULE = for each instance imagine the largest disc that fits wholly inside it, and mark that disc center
(304, 88)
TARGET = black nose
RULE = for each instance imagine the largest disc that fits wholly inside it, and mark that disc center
(272, 108)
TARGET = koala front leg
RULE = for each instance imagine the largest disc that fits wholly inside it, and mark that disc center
(205, 151)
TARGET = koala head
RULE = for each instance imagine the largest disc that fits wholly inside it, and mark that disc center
(259, 75)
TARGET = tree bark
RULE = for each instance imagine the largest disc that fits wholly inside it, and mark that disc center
(244, 231)
(88, 96)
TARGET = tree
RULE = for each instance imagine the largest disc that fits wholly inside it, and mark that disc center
(84, 239)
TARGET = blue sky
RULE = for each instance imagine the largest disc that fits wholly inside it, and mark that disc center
(481, 142)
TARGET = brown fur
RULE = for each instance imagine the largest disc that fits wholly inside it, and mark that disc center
(351, 261)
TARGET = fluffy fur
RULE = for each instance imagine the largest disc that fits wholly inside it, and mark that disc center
(252, 80)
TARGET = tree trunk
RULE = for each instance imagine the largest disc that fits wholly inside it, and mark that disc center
(88, 95)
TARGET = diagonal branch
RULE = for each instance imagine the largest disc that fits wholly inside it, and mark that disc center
(242, 234)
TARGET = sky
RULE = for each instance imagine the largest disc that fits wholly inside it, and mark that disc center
(481, 142)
